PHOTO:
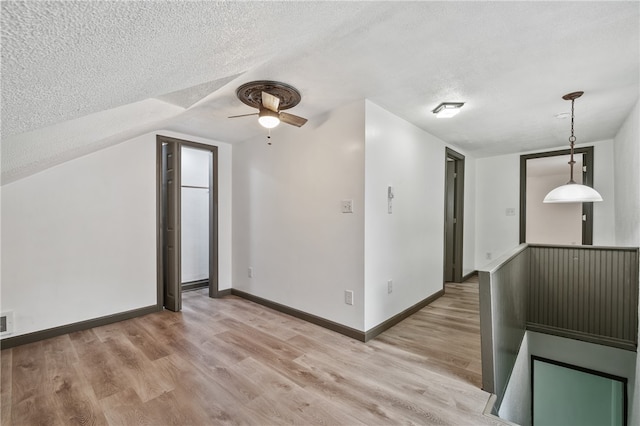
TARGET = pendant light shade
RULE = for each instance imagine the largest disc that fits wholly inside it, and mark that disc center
(572, 192)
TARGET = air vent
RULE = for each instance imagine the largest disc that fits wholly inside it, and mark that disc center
(6, 323)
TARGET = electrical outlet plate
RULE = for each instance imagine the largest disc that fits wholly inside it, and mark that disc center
(348, 297)
(390, 286)
(347, 206)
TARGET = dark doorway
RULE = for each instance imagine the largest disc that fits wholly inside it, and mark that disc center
(453, 216)
(584, 217)
(170, 189)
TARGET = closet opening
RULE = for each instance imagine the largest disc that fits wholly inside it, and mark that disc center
(187, 218)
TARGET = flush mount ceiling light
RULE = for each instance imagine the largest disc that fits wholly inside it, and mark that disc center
(572, 192)
(447, 109)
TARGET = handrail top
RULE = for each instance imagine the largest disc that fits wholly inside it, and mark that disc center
(584, 247)
(495, 265)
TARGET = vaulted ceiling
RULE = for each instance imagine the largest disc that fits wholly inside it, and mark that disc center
(79, 76)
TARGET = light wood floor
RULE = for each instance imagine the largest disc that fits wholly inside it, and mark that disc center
(230, 361)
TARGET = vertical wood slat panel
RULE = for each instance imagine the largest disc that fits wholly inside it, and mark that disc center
(591, 291)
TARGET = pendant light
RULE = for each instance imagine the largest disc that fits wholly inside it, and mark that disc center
(572, 192)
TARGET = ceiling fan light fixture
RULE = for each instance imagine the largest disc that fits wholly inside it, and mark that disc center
(572, 192)
(447, 109)
(268, 119)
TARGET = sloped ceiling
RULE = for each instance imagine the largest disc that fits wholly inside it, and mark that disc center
(79, 76)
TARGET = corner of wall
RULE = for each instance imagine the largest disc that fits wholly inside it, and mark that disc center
(405, 246)
(288, 226)
(626, 157)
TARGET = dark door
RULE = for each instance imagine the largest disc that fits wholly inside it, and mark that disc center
(450, 221)
(454, 214)
(171, 226)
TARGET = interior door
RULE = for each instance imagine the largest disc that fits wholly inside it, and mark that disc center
(454, 216)
(450, 221)
(172, 275)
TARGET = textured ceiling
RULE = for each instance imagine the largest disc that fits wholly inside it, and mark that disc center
(78, 76)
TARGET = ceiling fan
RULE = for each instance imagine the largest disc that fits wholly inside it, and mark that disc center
(270, 98)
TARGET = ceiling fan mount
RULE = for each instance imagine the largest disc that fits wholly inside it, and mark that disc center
(270, 98)
(251, 93)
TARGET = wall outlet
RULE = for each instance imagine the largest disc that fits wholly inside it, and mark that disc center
(250, 272)
(390, 286)
(488, 255)
(348, 297)
(347, 206)
(510, 211)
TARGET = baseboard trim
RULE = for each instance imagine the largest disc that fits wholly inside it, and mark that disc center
(322, 322)
(23, 339)
(195, 285)
(222, 293)
(401, 316)
(339, 328)
(469, 276)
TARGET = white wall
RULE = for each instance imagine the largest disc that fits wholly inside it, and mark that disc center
(626, 154)
(498, 188)
(470, 231)
(288, 224)
(304, 253)
(79, 239)
(604, 221)
(405, 246)
(626, 147)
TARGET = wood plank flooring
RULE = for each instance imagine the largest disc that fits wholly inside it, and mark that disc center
(231, 361)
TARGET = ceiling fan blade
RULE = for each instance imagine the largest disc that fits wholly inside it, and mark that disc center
(242, 115)
(270, 102)
(292, 119)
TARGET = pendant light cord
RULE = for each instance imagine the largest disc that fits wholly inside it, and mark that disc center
(572, 141)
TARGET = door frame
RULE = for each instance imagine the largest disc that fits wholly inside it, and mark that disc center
(587, 179)
(213, 215)
(458, 235)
